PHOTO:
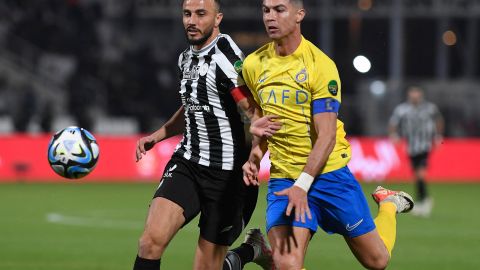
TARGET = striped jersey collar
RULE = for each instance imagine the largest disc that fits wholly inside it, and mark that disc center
(206, 48)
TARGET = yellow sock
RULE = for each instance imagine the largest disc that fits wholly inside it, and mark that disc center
(386, 222)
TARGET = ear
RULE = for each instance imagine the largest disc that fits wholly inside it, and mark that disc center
(218, 19)
(300, 15)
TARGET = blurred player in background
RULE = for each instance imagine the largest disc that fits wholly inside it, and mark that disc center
(310, 184)
(421, 124)
(204, 174)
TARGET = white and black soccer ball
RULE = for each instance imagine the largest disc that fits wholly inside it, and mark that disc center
(73, 152)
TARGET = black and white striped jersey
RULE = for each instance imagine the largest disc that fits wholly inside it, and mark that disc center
(417, 124)
(214, 134)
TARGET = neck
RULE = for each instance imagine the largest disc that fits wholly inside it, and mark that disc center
(212, 37)
(288, 44)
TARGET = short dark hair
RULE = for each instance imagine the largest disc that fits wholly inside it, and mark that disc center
(297, 3)
(219, 5)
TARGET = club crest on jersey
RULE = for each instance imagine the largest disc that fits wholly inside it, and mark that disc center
(301, 76)
(333, 87)
(191, 74)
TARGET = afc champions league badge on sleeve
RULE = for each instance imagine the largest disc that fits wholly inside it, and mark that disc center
(301, 76)
(238, 66)
(333, 87)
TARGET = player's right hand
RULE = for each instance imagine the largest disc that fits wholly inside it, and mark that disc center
(265, 126)
(250, 173)
(143, 145)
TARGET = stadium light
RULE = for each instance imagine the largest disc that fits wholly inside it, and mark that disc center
(362, 64)
(378, 88)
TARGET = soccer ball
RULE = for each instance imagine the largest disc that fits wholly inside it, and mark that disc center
(73, 152)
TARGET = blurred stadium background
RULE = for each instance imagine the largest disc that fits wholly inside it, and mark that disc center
(110, 67)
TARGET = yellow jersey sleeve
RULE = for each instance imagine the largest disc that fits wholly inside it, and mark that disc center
(326, 83)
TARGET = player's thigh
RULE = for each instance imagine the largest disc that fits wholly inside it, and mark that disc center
(277, 206)
(289, 244)
(164, 220)
(222, 205)
(343, 206)
(368, 248)
(178, 185)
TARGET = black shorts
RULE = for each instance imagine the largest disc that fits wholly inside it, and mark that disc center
(226, 204)
(419, 160)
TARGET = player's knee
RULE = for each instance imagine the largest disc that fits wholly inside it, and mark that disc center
(379, 262)
(151, 247)
(287, 261)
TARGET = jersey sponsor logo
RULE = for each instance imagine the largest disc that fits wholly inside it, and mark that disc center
(197, 108)
(282, 96)
(168, 173)
(301, 76)
(333, 87)
(351, 228)
(192, 105)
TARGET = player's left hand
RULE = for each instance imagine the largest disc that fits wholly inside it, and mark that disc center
(250, 173)
(297, 198)
(265, 126)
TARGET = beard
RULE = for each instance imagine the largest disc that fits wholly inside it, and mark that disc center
(201, 40)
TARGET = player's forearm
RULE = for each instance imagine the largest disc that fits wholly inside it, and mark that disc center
(316, 161)
(174, 126)
(259, 148)
(321, 151)
(250, 108)
(326, 128)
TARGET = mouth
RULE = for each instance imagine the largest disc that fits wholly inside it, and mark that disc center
(272, 29)
(192, 31)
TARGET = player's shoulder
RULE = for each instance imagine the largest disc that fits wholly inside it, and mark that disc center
(183, 56)
(257, 55)
(403, 108)
(317, 55)
(226, 44)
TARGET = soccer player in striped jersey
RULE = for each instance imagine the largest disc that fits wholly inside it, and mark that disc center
(310, 184)
(204, 174)
(421, 124)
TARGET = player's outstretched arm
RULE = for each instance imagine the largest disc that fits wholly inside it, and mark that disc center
(326, 128)
(174, 126)
(260, 125)
(265, 126)
(252, 166)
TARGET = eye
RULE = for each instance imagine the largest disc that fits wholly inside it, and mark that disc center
(266, 10)
(187, 13)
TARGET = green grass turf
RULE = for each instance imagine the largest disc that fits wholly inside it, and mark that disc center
(96, 226)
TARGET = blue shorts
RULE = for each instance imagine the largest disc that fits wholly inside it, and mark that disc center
(336, 202)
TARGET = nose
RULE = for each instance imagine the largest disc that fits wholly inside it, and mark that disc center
(269, 16)
(192, 20)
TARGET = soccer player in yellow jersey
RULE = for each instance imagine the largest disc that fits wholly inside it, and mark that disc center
(295, 81)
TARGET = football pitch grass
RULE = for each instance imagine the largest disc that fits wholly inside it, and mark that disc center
(87, 226)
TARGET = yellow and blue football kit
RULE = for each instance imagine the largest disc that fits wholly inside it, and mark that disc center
(295, 87)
